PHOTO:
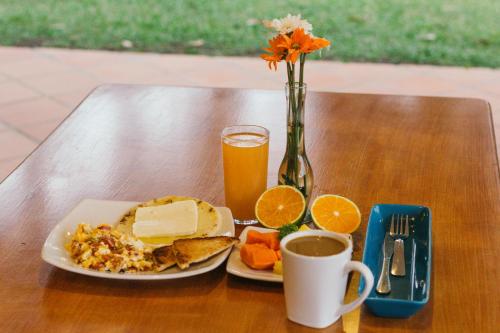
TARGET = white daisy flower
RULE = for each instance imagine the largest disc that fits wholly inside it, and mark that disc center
(289, 23)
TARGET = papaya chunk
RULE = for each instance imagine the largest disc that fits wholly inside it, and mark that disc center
(270, 239)
(258, 256)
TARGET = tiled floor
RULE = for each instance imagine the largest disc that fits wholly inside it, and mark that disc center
(39, 87)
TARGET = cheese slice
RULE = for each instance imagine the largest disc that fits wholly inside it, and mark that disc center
(174, 219)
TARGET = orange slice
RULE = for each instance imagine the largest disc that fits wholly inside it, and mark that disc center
(280, 205)
(335, 213)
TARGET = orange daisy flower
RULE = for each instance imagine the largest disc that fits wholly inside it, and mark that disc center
(298, 42)
(319, 43)
(289, 47)
(277, 52)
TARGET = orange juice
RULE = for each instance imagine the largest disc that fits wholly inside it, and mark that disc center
(245, 152)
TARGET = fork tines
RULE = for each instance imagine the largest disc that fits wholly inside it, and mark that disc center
(406, 231)
(392, 228)
(399, 225)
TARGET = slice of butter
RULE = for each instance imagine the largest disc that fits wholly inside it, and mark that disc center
(175, 219)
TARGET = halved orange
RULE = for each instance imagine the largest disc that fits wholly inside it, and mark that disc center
(335, 213)
(280, 205)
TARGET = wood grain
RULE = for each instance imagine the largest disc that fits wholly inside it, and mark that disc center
(139, 142)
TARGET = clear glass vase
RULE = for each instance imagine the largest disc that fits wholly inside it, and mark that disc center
(295, 169)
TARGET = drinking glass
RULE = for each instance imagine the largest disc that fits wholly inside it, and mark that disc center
(245, 150)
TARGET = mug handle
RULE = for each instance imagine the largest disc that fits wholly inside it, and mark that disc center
(367, 275)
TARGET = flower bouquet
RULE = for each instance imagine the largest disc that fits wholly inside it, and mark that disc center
(294, 41)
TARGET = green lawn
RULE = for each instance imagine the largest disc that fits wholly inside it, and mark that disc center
(443, 32)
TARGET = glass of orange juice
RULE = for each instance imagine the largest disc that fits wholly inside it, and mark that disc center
(245, 150)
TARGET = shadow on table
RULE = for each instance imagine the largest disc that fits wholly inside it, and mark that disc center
(53, 278)
(106, 305)
(421, 321)
(239, 283)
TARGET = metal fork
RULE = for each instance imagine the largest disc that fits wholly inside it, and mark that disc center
(399, 230)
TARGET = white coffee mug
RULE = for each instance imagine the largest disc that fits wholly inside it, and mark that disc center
(315, 286)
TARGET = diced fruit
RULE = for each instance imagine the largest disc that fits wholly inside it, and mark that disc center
(278, 254)
(258, 256)
(278, 267)
(280, 205)
(335, 213)
(270, 239)
(304, 227)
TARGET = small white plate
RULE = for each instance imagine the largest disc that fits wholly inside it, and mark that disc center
(95, 212)
(237, 267)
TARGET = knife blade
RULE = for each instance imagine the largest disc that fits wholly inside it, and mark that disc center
(350, 320)
(384, 283)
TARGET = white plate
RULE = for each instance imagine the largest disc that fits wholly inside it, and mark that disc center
(95, 212)
(237, 267)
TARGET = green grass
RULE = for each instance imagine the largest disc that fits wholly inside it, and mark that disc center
(443, 32)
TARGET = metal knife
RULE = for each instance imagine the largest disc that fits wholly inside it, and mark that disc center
(384, 284)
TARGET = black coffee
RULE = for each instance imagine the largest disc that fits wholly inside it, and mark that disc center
(315, 246)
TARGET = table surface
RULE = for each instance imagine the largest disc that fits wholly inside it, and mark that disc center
(140, 142)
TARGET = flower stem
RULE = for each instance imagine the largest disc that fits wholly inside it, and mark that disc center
(301, 74)
(291, 135)
(289, 73)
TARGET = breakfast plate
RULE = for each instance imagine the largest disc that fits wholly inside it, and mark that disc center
(95, 212)
(236, 267)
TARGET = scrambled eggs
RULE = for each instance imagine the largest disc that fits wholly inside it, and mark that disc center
(108, 250)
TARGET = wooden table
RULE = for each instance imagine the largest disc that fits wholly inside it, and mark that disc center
(139, 142)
